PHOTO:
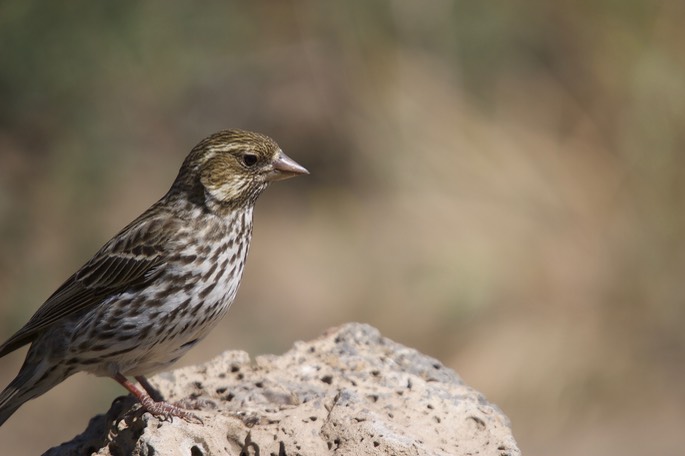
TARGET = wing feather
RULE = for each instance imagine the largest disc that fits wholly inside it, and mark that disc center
(131, 259)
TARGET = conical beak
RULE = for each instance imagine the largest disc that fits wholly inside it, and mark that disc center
(285, 167)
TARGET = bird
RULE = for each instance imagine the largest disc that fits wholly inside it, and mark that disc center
(160, 285)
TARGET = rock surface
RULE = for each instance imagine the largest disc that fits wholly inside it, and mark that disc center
(349, 392)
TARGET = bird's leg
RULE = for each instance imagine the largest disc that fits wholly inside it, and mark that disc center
(188, 403)
(158, 408)
(151, 390)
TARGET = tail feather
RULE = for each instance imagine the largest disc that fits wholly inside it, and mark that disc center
(7, 405)
(33, 380)
(18, 340)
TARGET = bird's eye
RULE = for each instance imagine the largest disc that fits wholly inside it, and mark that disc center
(249, 160)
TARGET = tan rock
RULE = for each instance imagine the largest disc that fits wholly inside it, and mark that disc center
(349, 392)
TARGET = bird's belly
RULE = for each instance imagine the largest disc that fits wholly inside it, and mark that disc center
(157, 331)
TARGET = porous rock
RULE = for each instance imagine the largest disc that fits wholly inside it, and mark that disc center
(349, 392)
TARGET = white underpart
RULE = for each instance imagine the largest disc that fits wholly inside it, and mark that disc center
(165, 343)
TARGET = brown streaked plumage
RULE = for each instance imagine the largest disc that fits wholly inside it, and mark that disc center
(156, 288)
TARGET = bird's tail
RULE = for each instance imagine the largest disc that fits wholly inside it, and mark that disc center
(35, 378)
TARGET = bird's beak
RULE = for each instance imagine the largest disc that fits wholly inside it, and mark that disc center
(285, 167)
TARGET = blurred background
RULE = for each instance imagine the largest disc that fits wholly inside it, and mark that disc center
(500, 185)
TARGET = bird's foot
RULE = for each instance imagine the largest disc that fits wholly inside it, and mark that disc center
(196, 403)
(160, 409)
(167, 412)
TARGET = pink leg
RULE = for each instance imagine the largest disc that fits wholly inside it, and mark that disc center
(160, 409)
(147, 386)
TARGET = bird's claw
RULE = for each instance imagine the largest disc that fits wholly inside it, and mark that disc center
(166, 412)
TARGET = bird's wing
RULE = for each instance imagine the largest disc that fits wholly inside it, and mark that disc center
(130, 259)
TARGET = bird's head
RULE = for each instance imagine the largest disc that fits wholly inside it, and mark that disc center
(232, 168)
